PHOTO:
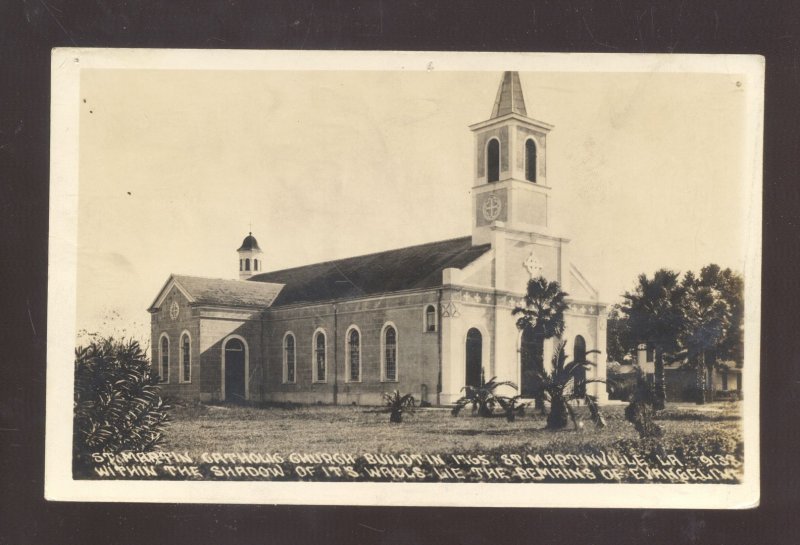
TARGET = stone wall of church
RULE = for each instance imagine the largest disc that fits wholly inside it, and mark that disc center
(417, 350)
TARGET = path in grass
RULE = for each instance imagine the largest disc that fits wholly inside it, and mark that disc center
(201, 428)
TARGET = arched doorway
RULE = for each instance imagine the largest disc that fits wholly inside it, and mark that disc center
(530, 360)
(474, 357)
(235, 371)
(579, 352)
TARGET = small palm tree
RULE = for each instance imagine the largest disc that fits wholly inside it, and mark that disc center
(396, 405)
(542, 316)
(482, 398)
(512, 407)
(567, 383)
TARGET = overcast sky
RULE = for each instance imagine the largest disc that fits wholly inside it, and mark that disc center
(175, 165)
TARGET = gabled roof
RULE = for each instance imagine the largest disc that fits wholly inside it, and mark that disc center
(509, 97)
(218, 291)
(414, 267)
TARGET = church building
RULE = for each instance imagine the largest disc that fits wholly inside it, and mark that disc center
(425, 320)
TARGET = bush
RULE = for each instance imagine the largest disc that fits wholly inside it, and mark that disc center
(117, 406)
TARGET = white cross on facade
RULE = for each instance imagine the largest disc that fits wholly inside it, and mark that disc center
(532, 264)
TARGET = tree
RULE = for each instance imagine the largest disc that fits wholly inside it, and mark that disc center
(117, 403)
(707, 319)
(655, 311)
(542, 315)
(730, 286)
(564, 384)
(619, 344)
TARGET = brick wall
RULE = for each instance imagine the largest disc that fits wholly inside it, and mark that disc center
(417, 351)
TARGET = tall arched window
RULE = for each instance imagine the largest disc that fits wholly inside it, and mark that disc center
(354, 355)
(163, 371)
(247, 264)
(530, 160)
(430, 318)
(186, 358)
(241, 265)
(389, 353)
(579, 351)
(493, 160)
(319, 356)
(255, 264)
(289, 359)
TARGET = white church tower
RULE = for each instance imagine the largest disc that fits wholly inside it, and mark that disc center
(250, 260)
(511, 214)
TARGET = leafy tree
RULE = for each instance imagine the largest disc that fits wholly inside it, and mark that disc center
(397, 405)
(543, 315)
(117, 403)
(730, 286)
(707, 319)
(566, 383)
(619, 344)
(655, 311)
(483, 398)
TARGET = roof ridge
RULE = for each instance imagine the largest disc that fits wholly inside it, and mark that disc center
(330, 261)
(243, 282)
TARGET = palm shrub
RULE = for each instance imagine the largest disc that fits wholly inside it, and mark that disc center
(567, 383)
(397, 405)
(512, 407)
(640, 410)
(483, 398)
(117, 403)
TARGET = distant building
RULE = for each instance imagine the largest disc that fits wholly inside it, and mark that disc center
(425, 320)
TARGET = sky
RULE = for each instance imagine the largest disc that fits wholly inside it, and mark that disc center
(176, 166)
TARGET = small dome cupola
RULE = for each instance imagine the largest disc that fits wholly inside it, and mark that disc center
(250, 260)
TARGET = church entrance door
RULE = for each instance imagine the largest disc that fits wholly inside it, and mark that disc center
(234, 371)
(474, 356)
(530, 359)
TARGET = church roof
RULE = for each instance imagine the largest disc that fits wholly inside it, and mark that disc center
(218, 291)
(249, 243)
(509, 96)
(414, 267)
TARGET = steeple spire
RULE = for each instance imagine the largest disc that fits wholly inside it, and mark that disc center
(509, 96)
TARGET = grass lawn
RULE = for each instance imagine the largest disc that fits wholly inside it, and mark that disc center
(199, 428)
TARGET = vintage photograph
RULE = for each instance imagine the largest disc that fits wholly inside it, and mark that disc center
(405, 278)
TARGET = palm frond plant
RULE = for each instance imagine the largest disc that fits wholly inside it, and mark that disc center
(640, 410)
(397, 405)
(512, 407)
(566, 383)
(483, 398)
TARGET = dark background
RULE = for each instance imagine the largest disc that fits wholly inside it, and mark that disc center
(30, 28)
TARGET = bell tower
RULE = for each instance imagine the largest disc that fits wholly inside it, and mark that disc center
(510, 188)
(250, 260)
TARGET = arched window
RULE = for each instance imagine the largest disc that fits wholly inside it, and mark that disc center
(530, 160)
(389, 353)
(241, 265)
(289, 359)
(319, 356)
(579, 351)
(255, 264)
(247, 264)
(163, 371)
(493, 160)
(186, 358)
(354, 355)
(430, 318)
